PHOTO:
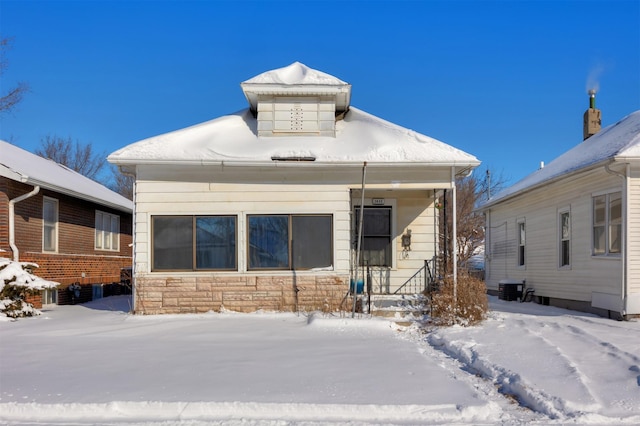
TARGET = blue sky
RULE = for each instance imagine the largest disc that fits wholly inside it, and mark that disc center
(503, 80)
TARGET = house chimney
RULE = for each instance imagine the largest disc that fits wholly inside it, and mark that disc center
(592, 117)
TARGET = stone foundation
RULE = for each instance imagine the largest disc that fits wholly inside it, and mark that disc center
(172, 295)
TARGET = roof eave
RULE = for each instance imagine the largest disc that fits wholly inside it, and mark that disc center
(71, 193)
(533, 187)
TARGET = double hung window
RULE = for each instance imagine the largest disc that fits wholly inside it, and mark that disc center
(107, 231)
(607, 224)
(49, 224)
(521, 242)
(565, 238)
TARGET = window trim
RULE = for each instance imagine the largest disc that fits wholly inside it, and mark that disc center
(607, 253)
(289, 216)
(55, 224)
(194, 267)
(561, 212)
(104, 233)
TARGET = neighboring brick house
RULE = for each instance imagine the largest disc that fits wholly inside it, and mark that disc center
(75, 229)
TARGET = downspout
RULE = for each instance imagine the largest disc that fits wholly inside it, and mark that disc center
(355, 279)
(133, 241)
(12, 221)
(625, 190)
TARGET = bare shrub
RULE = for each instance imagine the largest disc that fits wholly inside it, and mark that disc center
(471, 302)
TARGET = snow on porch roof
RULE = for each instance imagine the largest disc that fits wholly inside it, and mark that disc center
(232, 139)
(23, 166)
(297, 79)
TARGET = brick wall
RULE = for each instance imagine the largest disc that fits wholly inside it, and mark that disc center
(168, 295)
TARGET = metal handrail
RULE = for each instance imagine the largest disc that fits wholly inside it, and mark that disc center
(422, 281)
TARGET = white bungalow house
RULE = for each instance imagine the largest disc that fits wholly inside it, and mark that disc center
(571, 230)
(259, 209)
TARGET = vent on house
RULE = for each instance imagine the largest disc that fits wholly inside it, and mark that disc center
(592, 121)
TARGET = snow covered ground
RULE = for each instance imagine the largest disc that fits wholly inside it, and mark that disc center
(96, 364)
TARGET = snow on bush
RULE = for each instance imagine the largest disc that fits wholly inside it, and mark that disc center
(16, 282)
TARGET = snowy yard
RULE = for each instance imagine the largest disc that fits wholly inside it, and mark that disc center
(96, 364)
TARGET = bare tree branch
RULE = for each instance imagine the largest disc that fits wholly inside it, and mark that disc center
(9, 100)
(76, 156)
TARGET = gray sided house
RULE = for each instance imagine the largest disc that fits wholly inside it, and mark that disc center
(260, 209)
(571, 230)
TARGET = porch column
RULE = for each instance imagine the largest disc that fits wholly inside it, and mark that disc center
(454, 236)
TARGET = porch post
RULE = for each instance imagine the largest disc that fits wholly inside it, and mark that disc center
(454, 236)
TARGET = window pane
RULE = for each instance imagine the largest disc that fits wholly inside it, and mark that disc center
(376, 251)
(598, 240)
(216, 242)
(106, 227)
(311, 242)
(599, 210)
(115, 232)
(268, 241)
(615, 208)
(565, 226)
(172, 243)
(522, 233)
(49, 211)
(564, 260)
(615, 235)
(49, 238)
(98, 230)
(377, 221)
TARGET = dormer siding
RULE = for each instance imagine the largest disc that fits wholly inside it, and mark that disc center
(296, 116)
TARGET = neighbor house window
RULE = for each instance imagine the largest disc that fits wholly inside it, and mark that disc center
(188, 243)
(107, 231)
(290, 241)
(376, 236)
(50, 296)
(521, 242)
(49, 224)
(565, 238)
(607, 224)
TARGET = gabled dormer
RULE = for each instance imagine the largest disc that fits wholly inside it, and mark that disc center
(297, 101)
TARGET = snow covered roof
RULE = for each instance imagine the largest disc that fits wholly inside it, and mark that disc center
(23, 166)
(618, 142)
(232, 139)
(297, 79)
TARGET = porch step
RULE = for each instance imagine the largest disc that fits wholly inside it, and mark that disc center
(406, 308)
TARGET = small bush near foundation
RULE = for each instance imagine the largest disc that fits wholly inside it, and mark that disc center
(471, 302)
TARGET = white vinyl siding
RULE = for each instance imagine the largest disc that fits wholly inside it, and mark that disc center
(49, 224)
(415, 210)
(587, 273)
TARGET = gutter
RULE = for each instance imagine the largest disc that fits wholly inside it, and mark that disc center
(464, 165)
(12, 220)
(625, 222)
